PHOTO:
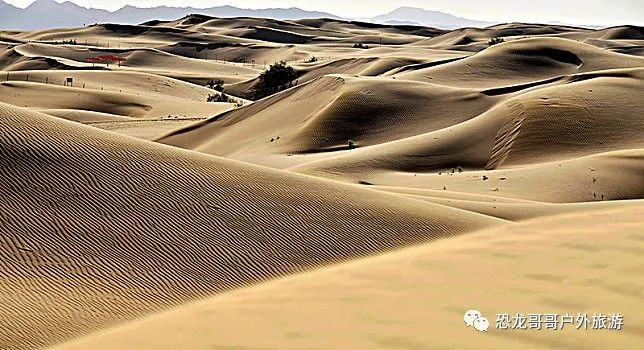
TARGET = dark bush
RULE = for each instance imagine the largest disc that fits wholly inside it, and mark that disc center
(223, 98)
(217, 85)
(65, 42)
(360, 46)
(495, 41)
(277, 77)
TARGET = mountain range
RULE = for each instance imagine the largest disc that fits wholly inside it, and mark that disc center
(43, 14)
(419, 16)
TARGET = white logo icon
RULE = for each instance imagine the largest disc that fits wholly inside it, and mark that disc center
(470, 316)
(481, 324)
(474, 318)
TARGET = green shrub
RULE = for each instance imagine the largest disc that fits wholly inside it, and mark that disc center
(277, 77)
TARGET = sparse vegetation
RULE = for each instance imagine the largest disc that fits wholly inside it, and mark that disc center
(277, 77)
(222, 97)
(217, 85)
(312, 59)
(360, 46)
(65, 42)
(495, 41)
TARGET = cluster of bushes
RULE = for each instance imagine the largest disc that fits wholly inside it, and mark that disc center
(495, 41)
(66, 42)
(222, 97)
(217, 85)
(277, 77)
(311, 60)
(360, 46)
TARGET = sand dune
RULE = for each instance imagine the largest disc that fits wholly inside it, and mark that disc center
(45, 96)
(506, 208)
(262, 54)
(109, 99)
(355, 66)
(120, 243)
(120, 81)
(114, 35)
(140, 59)
(610, 176)
(522, 61)
(521, 130)
(391, 138)
(336, 109)
(85, 117)
(599, 112)
(414, 299)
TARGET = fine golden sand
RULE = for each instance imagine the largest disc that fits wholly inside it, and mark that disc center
(369, 206)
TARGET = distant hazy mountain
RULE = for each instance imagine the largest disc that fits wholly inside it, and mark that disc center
(49, 14)
(395, 22)
(7, 12)
(132, 15)
(428, 18)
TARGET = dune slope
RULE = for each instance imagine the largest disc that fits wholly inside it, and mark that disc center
(580, 116)
(586, 262)
(323, 115)
(100, 228)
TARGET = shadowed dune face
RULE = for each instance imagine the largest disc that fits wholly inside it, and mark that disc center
(334, 109)
(114, 227)
(574, 116)
(390, 137)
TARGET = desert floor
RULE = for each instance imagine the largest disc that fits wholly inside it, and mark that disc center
(369, 206)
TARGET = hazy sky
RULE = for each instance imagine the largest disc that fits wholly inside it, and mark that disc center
(568, 11)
